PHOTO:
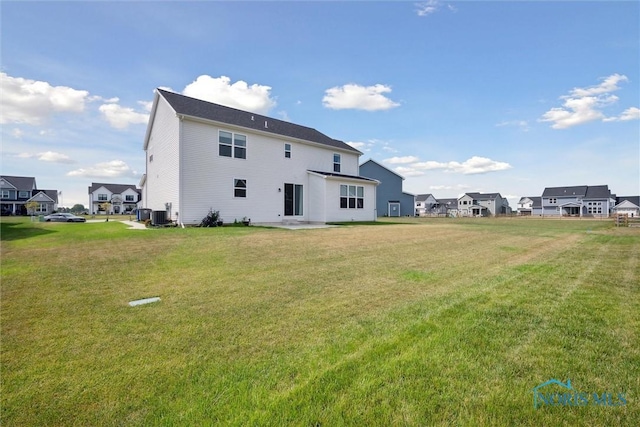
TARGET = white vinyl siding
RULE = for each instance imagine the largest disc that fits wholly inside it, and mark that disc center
(208, 178)
(163, 180)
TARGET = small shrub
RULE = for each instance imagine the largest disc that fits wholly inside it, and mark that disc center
(211, 220)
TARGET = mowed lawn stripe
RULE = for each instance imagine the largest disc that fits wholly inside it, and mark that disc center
(435, 322)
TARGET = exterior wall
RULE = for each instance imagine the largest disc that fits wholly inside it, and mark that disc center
(464, 209)
(47, 206)
(389, 189)
(425, 207)
(525, 206)
(553, 208)
(628, 208)
(332, 201)
(162, 172)
(14, 199)
(317, 211)
(94, 201)
(208, 178)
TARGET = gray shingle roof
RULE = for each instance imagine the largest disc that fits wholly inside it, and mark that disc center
(598, 192)
(21, 182)
(585, 191)
(633, 199)
(422, 197)
(207, 110)
(580, 190)
(114, 188)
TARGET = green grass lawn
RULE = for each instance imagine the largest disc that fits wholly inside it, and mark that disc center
(427, 322)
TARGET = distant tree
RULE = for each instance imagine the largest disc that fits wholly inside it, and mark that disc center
(106, 206)
(31, 207)
(78, 208)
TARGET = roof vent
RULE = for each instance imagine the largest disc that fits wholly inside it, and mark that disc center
(265, 124)
(252, 119)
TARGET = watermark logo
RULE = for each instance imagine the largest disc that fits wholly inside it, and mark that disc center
(557, 393)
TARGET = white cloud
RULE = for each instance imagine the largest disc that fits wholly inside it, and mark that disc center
(472, 166)
(47, 156)
(408, 171)
(33, 102)
(17, 133)
(522, 124)
(353, 96)
(111, 169)
(584, 105)
(121, 117)
(255, 98)
(632, 113)
(357, 145)
(449, 187)
(427, 8)
(401, 160)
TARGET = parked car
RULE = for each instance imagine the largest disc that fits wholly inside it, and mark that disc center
(64, 217)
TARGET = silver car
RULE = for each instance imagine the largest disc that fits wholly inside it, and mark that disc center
(64, 217)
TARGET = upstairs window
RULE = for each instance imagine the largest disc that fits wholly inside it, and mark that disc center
(232, 145)
(552, 200)
(287, 151)
(336, 162)
(239, 188)
(128, 198)
(102, 197)
(5, 194)
(23, 195)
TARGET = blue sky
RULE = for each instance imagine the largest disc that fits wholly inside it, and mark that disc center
(504, 96)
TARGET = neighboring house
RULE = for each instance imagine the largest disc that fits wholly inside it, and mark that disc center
(526, 205)
(122, 198)
(390, 199)
(628, 205)
(17, 191)
(579, 201)
(202, 156)
(426, 205)
(483, 204)
(448, 207)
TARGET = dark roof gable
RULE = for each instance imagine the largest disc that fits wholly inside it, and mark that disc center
(207, 110)
(114, 188)
(22, 183)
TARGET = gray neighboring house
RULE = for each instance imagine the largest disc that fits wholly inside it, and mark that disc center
(578, 201)
(17, 191)
(483, 204)
(628, 205)
(390, 199)
(448, 207)
(426, 205)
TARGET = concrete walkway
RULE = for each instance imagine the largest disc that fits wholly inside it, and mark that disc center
(133, 225)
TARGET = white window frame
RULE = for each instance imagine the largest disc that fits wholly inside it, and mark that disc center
(351, 193)
(236, 145)
(237, 188)
(337, 165)
(287, 150)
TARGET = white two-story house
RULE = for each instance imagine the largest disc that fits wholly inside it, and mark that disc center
(115, 198)
(202, 156)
